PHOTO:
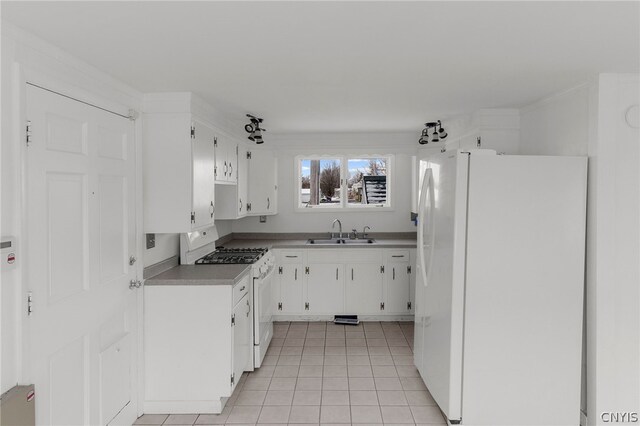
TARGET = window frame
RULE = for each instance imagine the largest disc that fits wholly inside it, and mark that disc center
(344, 205)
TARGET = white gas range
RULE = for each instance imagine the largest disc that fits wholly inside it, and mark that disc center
(198, 248)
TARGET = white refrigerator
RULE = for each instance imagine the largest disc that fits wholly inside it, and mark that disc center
(498, 325)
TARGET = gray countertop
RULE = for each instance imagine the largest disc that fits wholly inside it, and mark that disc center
(302, 244)
(200, 275)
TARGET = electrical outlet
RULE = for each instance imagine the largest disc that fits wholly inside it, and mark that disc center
(263, 219)
(151, 241)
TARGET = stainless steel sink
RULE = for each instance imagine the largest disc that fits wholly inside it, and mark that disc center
(363, 242)
(321, 241)
(336, 241)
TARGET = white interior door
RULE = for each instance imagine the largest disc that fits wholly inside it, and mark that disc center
(81, 232)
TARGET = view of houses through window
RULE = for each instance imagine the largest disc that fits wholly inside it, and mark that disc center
(323, 181)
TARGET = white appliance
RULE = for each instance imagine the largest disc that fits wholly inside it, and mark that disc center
(501, 243)
(199, 248)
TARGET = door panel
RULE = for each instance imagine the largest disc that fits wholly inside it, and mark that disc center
(397, 279)
(203, 176)
(325, 289)
(81, 210)
(363, 288)
(444, 286)
(291, 288)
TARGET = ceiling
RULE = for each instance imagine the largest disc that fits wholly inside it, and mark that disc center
(345, 66)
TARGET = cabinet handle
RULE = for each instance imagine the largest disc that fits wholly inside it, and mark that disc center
(248, 307)
(394, 273)
(351, 274)
(336, 274)
(268, 203)
(240, 204)
(225, 168)
(294, 257)
(230, 169)
(212, 209)
(296, 275)
(242, 288)
(398, 255)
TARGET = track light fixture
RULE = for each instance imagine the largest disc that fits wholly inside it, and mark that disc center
(254, 130)
(438, 134)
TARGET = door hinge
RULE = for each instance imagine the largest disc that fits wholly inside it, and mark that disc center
(280, 270)
(382, 269)
(233, 319)
(306, 270)
(408, 306)
(193, 132)
(479, 141)
(215, 141)
(280, 306)
(408, 269)
(29, 303)
(28, 133)
(233, 379)
(248, 207)
(306, 306)
(215, 171)
(248, 155)
(193, 217)
(382, 306)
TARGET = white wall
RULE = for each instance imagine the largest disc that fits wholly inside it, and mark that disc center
(22, 55)
(589, 120)
(401, 145)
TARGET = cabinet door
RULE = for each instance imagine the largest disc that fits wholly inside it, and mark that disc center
(242, 342)
(291, 281)
(221, 159)
(243, 180)
(203, 187)
(397, 288)
(262, 183)
(363, 288)
(232, 160)
(325, 289)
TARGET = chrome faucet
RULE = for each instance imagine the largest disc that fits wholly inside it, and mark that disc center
(364, 231)
(333, 225)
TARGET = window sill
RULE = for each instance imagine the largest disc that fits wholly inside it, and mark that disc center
(343, 209)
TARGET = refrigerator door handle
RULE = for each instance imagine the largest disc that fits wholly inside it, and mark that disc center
(425, 219)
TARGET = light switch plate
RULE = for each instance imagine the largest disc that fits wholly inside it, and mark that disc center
(151, 241)
(263, 219)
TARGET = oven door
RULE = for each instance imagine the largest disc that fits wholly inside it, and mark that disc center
(262, 316)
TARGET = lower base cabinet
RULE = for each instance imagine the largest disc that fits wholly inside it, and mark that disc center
(197, 344)
(318, 283)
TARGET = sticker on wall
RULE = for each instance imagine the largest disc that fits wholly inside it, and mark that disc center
(632, 116)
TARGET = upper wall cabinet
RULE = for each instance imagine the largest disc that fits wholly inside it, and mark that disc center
(226, 170)
(232, 200)
(178, 165)
(263, 182)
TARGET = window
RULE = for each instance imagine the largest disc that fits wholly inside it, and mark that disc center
(336, 182)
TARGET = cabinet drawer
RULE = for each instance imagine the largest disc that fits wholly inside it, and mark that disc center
(290, 256)
(344, 255)
(240, 289)
(401, 255)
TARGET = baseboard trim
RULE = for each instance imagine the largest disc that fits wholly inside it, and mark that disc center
(183, 407)
(311, 318)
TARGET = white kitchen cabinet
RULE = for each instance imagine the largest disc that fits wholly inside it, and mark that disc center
(324, 288)
(197, 342)
(242, 337)
(397, 282)
(322, 282)
(363, 293)
(231, 200)
(178, 169)
(290, 279)
(263, 183)
(226, 168)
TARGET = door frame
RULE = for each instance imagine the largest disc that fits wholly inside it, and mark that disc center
(23, 74)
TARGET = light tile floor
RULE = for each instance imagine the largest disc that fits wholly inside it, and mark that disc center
(320, 373)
